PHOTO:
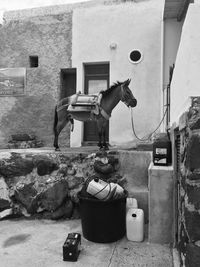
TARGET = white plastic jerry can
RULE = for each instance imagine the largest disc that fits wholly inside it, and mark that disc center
(131, 203)
(135, 225)
(99, 189)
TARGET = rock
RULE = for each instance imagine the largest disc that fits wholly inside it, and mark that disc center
(74, 181)
(73, 194)
(26, 195)
(192, 255)
(15, 166)
(45, 165)
(19, 210)
(193, 194)
(118, 179)
(22, 137)
(76, 213)
(4, 195)
(24, 144)
(63, 169)
(5, 213)
(53, 196)
(71, 170)
(22, 141)
(103, 168)
(64, 211)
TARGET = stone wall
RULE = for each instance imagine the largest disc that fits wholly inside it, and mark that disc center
(49, 38)
(45, 184)
(189, 186)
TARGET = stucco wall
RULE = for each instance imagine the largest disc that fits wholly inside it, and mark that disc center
(186, 78)
(48, 37)
(59, 43)
(131, 25)
(172, 35)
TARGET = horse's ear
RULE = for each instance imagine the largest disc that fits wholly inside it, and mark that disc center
(127, 82)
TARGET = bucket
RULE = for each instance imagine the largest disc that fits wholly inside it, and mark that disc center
(135, 225)
(103, 221)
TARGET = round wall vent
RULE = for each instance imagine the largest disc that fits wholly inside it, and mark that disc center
(135, 56)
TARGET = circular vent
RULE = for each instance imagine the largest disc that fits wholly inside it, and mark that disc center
(135, 56)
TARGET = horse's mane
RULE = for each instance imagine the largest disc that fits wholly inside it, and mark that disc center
(111, 88)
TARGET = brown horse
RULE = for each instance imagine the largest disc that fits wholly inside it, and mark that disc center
(109, 98)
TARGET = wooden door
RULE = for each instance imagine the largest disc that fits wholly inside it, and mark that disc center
(96, 79)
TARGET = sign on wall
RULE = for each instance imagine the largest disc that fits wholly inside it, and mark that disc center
(12, 81)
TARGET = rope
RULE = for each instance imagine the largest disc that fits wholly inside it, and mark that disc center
(150, 135)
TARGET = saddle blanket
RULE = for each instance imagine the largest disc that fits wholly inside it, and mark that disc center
(85, 103)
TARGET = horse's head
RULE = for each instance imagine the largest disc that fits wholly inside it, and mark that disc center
(127, 96)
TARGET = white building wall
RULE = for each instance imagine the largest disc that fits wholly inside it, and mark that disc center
(186, 78)
(172, 35)
(131, 25)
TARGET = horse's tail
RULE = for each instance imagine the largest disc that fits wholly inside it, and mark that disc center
(72, 124)
(55, 120)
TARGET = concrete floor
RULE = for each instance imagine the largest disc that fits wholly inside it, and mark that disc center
(38, 243)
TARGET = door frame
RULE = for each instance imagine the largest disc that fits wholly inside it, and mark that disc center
(94, 75)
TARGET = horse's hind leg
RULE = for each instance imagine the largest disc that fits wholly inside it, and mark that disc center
(59, 127)
(62, 122)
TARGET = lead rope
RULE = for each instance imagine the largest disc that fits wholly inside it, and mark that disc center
(150, 135)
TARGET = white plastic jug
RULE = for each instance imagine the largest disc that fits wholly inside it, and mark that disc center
(135, 225)
(99, 189)
(131, 203)
(103, 190)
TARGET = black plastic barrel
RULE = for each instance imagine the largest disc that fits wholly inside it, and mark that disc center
(103, 221)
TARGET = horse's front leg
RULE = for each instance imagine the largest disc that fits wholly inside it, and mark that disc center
(105, 145)
(100, 145)
(99, 127)
(55, 143)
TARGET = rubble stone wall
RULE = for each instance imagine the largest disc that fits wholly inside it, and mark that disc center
(189, 186)
(48, 37)
(45, 185)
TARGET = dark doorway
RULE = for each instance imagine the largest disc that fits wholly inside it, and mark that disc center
(67, 82)
(96, 79)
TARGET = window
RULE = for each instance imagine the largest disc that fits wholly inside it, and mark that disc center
(135, 56)
(33, 60)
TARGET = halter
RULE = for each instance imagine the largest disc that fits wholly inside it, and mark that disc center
(123, 96)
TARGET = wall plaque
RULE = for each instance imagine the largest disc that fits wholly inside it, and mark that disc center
(12, 81)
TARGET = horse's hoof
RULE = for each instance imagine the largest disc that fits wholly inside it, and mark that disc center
(57, 149)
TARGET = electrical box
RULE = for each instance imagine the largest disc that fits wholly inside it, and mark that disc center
(71, 247)
(162, 151)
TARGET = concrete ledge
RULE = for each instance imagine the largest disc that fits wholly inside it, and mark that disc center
(160, 204)
(134, 165)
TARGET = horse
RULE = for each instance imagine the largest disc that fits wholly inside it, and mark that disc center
(107, 101)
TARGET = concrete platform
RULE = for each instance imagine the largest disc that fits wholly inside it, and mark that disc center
(38, 243)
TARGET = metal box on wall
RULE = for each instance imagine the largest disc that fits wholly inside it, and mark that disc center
(162, 151)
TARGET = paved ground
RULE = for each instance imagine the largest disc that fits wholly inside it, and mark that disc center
(38, 243)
